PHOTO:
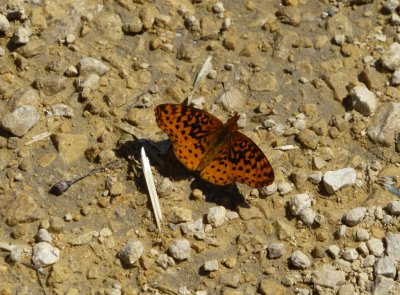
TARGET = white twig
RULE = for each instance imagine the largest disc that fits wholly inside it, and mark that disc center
(38, 137)
(203, 72)
(148, 175)
(286, 147)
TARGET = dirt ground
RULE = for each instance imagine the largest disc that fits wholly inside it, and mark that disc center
(87, 75)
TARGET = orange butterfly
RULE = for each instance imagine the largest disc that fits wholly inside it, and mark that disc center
(221, 154)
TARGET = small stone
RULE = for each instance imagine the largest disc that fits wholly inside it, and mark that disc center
(16, 254)
(218, 7)
(385, 124)
(21, 36)
(308, 139)
(384, 286)
(117, 189)
(363, 249)
(180, 214)
(43, 236)
(211, 265)
(70, 147)
(105, 232)
(392, 244)
(62, 110)
(232, 99)
(269, 190)
(284, 188)
(275, 250)
(391, 58)
(333, 251)
(335, 180)
(165, 261)
(375, 247)
(347, 289)
(327, 276)
(71, 71)
(364, 101)
(195, 228)
(394, 208)
(361, 234)
(90, 81)
(84, 238)
(134, 26)
(56, 224)
(263, 81)
(231, 279)
(216, 216)
(45, 254)
(385, 266)
(308, 216)
(21, 120)
(269, 287)
(299, 260)
(350, 254)
(395, 80)
(50, 85)
(166, 187)
(369, 261)
(131, 252)
(298, 203)
(4, 24)
(180, 249)
(89, 65)
(354, 216)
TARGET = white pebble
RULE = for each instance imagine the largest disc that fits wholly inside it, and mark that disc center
(300, 260)
(218, 7)
(4, 24)
(335, 180)
(394, 208)
(361, 234)
(391, 58)
(216, 216)
(364, 101)
(43, 236)
(375, 247)
(211, 265)
(333, 250)
(385, 266)
(45, 254)
(363, 249)
(298, 203)
(89, 65)
(350, 254)
(354, 216)
(275, 250)
(308, 216)
(131, 252)
(395, 80)
(180, 249)
(284, 188)
(21, 36)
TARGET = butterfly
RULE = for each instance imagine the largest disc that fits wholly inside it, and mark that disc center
(218, 151)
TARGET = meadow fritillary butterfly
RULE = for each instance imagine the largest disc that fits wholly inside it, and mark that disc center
(220, 153)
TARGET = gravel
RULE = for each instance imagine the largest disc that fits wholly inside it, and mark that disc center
(354, 216)
(131, 252)
(180, 249)
(299, 260)
(216, 216)
(45, 254)
(335, 180)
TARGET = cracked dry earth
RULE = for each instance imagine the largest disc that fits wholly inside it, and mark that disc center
(316, 84)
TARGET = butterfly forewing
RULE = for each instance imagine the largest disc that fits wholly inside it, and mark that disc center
(190, 130)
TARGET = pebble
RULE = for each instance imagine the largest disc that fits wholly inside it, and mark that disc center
(333, 251)
(166, 187)
(21, 120)
(350, 254)
(269, 190)
(90, 81)
(43, 236)
(180, 249)
(211, 265)
(394, 207)
(4, 24)
(299, 260)
(180, 214)
(90, 65)
(131, 252)
(327, 276)
(16, 254)
(369, 261)
(165, 261)
(385, 266)
(364, 101)
(62, 110)
(216, 216)
(232, 99)
(284, 188)
(361, 234)
(335, 180)
(195, 228)
(270, 287)
(70, 147)
(298, 203)
(385, 124)
(375, 247)
(395, 80)
(84, 238)
(21, 208)
(392, 244)
(218, 7)
(275, 250)
(45, 254)
(391, 58)
(308, 139)
(21, 36)
(354, 216)
(231, 279)
(308, 216)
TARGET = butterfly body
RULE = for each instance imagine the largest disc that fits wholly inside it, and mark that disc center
(221, 154)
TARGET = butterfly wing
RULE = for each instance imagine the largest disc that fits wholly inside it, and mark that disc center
(240, 161)
(191, 131)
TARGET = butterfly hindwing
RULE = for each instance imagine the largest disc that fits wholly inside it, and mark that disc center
(248, 163)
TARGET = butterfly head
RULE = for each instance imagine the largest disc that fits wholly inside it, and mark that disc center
(232, 122)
